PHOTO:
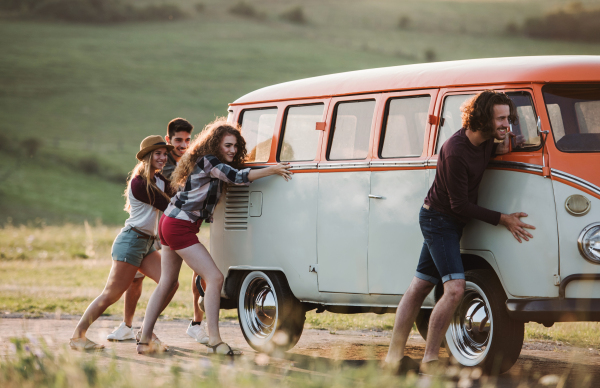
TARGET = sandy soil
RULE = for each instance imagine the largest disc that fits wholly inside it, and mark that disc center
(316, 351)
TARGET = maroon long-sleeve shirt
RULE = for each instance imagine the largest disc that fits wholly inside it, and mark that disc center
(460, 168)
(138, 189)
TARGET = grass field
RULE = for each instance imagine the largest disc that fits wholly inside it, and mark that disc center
(61, 269)
(90, 93)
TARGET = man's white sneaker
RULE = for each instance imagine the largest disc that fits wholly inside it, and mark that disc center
(121, 333)
(198, 332)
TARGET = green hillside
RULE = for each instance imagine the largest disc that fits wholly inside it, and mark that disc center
(90, 93)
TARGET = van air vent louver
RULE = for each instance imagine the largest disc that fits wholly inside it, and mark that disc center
(236, 207)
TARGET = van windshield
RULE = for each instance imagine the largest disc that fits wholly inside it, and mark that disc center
(574, 112)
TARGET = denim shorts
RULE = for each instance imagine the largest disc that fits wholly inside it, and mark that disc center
(131, 249)
(440, 256)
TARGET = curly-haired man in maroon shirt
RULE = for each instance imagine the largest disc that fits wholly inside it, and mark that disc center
(450, 203)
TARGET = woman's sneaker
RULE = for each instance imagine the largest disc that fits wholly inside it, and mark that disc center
(121, 333)
(198, 332)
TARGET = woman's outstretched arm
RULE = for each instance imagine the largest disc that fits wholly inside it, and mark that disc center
(279, 169)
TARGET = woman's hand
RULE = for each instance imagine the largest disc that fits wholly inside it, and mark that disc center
(282, 169)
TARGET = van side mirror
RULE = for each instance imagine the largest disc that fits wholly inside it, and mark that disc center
(539, 127)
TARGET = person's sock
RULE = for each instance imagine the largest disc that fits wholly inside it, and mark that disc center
(194, 323)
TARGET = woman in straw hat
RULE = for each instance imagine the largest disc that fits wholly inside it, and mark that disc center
(216, 155)
(147, 195)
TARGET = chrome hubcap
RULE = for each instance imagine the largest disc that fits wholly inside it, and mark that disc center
(471, 325)
(260, 308)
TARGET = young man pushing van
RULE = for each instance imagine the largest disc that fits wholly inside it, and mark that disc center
(450, 203)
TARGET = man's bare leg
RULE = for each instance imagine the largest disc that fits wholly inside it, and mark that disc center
(407, 312)
(132, 296)
(441, 317)
(196, 330)
(198, 314)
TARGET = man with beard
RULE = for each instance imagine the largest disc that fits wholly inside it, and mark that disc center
(450, 203)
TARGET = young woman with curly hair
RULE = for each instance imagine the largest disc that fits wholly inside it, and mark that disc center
(147, 195)
(215, 157)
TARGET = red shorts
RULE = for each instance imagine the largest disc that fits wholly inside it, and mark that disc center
(178, 234)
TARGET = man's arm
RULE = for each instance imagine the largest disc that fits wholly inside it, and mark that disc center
(457, 186)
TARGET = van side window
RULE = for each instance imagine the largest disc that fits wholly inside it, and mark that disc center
(351, 131)
(404, 131)
(527, 124)
(451, 118)
(258, 126)
(574, 112)
(300, 137)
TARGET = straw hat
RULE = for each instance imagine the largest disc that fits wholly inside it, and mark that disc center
(151, 143)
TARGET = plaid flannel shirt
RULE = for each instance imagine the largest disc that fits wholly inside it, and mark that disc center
(203, 188)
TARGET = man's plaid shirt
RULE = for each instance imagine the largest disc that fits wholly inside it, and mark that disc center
(203, 188)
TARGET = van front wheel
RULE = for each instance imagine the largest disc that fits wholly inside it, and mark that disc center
(481, 333)
(270, 316)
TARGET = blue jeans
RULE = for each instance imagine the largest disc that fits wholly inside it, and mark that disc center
(440, 256)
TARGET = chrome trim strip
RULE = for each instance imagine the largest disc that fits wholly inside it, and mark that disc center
(516, 165)
(330, 166)
(431, 162)
(354, 304)
(398, 163)
(307, 166)
(573, 179)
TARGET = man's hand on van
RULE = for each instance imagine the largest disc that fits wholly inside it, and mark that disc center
(517, 227)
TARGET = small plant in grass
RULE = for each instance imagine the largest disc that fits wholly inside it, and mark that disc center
(31, 146)
(404, 22)
(430, 55)
(89, 165)
(512, 29)
(244, 9)
(295, 15)
(159, 12)
(200, 7)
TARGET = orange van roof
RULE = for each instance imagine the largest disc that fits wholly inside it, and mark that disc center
(567, 68)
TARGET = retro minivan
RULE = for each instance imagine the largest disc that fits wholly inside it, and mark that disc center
(343, 235)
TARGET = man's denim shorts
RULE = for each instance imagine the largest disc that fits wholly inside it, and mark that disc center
(131, 249)
(440, 256)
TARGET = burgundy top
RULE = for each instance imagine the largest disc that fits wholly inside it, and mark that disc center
(460, 168)
(138, 189)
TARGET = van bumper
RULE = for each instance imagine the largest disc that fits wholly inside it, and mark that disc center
(554, 310)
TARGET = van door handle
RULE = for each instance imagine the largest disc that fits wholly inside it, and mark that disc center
(376, 196)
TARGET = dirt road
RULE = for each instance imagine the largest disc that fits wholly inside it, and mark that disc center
(315, 353)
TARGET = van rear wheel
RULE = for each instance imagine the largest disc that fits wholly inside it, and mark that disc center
(270, 316)
(481, 333)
